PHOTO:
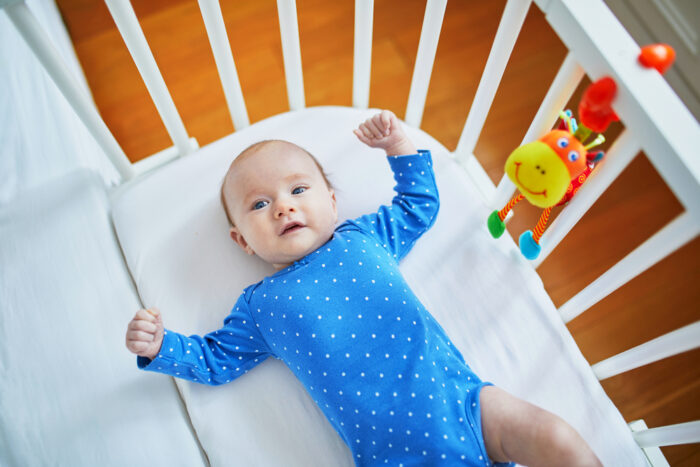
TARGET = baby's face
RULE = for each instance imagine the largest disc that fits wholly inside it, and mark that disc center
(280, 204)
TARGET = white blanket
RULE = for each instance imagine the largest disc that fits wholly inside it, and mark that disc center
(69, 393)
(42, 137)
(492, 304)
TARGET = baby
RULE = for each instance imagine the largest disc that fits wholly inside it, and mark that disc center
(338, 312)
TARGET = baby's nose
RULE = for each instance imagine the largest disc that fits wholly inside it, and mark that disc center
(283, 207)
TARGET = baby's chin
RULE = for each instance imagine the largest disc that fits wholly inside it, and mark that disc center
(283, 260)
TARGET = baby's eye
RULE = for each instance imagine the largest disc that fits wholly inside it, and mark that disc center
(259, 205)
(298, 190)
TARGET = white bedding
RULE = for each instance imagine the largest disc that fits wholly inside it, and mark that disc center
(42, 137)
(69, 395)
(492, 304)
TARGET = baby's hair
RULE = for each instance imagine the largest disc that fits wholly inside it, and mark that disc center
(249, 150)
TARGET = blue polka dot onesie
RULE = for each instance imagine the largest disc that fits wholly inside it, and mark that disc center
(343, 319)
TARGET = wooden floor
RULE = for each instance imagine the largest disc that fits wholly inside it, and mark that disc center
(636, 205)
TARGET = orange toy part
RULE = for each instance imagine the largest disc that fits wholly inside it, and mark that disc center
(659, 56)
(569, 149)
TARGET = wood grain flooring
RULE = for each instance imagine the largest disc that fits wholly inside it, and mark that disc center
(635, 206)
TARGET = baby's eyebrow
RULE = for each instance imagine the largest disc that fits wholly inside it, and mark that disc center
(297, 175)
(252, 194)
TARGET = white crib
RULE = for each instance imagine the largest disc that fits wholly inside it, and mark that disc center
(175, 422)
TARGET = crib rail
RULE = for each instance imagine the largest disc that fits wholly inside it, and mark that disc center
(427, 47)
(508, 31)
(656, 122)
(650, 439)
(643, 104)
(216, 31)
(362, 64)
(681, 433)
(291, 52)
(596, 42)
(128, 25)
(673, 343)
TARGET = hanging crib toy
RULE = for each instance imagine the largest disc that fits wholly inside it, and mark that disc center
(548, 172)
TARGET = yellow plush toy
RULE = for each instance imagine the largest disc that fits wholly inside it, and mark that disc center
(548, 172)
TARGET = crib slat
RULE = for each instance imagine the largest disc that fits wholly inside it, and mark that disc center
(427, 47)
(621, 153)
(362, 61)
(677, 233)
(129, 28)
(670, 435)
(675, 342)
(563, 86)
(508, 31)
(653, 454)
(291, 52)
(216, 30)
(43, 49)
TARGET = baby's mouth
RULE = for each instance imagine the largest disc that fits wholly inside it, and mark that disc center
(291, 227)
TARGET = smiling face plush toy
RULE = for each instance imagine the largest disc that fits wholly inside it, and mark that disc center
(543, 169)
(549, 171)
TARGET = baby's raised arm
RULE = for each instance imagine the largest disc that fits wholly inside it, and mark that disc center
(144, 335)
(384, 131)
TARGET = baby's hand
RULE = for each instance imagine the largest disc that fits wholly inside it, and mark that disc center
(384, 131)
(144, 335)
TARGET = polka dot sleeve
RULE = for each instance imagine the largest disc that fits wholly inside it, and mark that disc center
(216, 358)
(412, 211)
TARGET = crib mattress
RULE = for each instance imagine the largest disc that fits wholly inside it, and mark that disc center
(174, 236)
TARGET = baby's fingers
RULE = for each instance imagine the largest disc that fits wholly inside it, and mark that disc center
(155, 312)
(150, 315)
(361, 136)
(142, 325)
(375, 127)
(137, 347)
(139, 336)
(385, 118)
(366, 132)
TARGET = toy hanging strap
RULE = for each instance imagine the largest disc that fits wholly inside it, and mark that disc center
(541, 225)
(504, 212)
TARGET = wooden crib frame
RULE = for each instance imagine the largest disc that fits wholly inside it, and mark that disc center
(655, 120)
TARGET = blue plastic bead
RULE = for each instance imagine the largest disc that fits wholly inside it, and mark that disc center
(528, 246)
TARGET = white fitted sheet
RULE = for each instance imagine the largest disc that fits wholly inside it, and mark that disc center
(493, 305)
(69, 394)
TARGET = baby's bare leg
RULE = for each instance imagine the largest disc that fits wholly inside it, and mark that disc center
(515, 430)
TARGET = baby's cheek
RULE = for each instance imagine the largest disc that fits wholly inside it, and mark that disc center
(257, 238)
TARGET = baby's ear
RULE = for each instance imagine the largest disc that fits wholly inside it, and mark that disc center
(238, 238)
(335, 204)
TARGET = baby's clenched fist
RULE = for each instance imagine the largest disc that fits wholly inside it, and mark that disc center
(144, 335)
(384, 131)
